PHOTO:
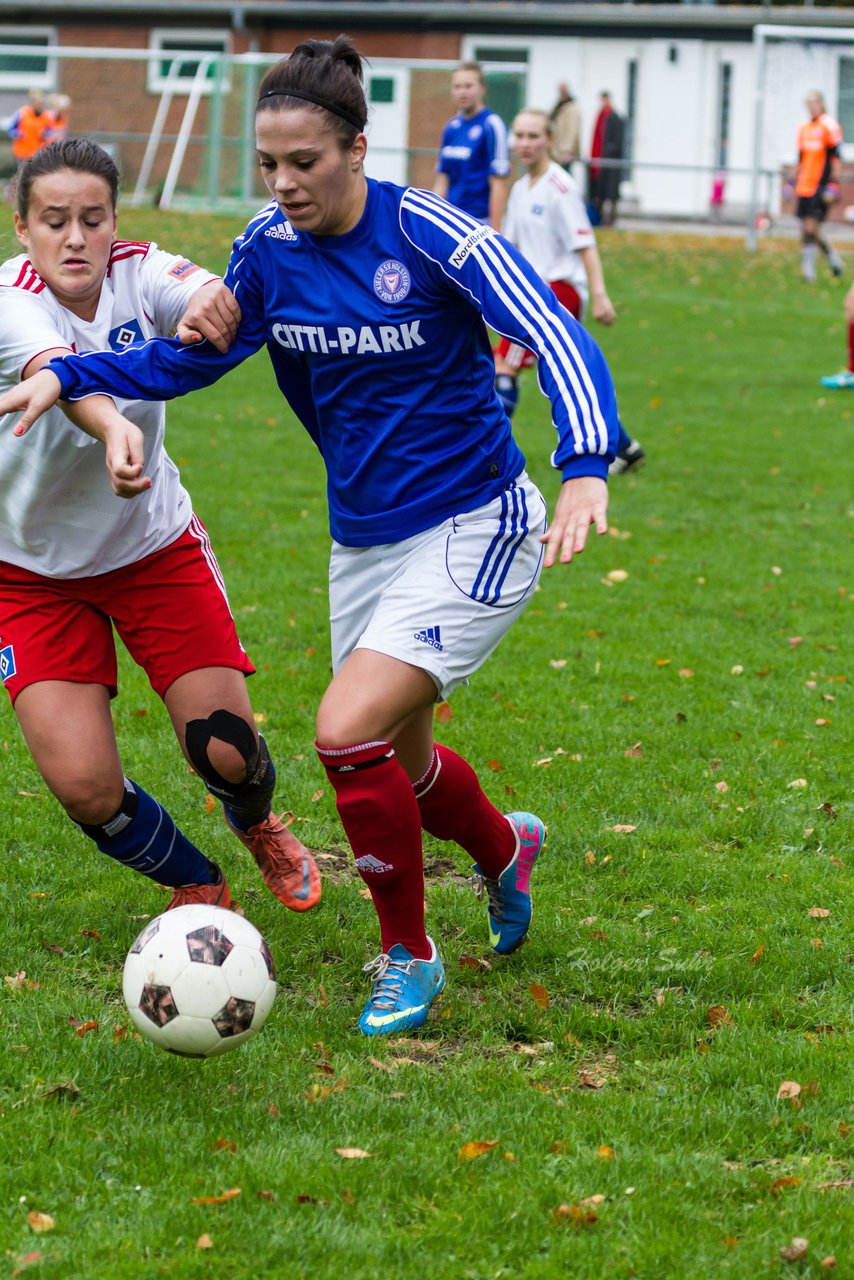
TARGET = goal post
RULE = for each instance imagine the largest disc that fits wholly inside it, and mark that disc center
(789, 62)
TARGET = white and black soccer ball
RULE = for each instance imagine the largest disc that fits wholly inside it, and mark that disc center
(199, 980)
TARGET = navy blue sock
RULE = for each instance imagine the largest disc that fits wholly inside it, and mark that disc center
(143, 836)
(508, 392)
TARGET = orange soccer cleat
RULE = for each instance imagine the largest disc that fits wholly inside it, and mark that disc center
(288, 868)
(215, 895)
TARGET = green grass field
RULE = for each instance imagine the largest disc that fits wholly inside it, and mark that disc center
(689, 680)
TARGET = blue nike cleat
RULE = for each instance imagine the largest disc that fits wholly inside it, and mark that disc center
(404, 989)
(843, 381)
(510, 895)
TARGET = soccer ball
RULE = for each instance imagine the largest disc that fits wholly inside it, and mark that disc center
(199, 980)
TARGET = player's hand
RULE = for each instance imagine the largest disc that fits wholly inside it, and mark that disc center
(34, 396)
(602, 308)
(582, 501)
(213, 313)
(125, 457)
(830, 193)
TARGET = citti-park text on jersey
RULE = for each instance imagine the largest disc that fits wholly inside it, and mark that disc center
(369, 339)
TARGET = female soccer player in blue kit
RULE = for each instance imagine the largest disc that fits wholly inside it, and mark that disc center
(371, 300)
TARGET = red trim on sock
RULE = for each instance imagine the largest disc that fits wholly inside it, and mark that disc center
(454, 807)
(381, 817)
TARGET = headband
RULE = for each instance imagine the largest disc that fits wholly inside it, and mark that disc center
(342, 112)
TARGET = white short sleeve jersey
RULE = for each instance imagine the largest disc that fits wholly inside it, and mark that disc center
(547, 222)
(58, 513)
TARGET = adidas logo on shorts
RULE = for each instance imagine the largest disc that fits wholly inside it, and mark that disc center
(431, 636)
(369, 863)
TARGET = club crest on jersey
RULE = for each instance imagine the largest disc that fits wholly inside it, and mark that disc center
(125, 334)
(7, 663)
(392, 281)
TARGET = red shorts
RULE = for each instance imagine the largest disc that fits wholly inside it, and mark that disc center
(520, 357)
(170, 609)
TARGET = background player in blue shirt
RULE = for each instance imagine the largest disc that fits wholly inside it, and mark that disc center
(371, 300)
(473, 169)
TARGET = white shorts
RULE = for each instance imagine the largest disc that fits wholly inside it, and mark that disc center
(443, 599)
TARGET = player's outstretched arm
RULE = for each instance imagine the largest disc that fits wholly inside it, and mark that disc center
(582, 501)
(123, 441)
(213, 312)
(31, 398)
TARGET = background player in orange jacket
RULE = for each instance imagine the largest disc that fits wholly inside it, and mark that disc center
(29, 127)
(817, 183)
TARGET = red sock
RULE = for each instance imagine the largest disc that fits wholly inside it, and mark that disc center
(380, 815)
(851, 348)
(454, 807)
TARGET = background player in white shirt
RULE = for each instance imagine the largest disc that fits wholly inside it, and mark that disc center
(371, 300)
(77, 557)
(547, 221)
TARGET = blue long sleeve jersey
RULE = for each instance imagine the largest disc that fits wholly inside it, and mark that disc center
(378, 342)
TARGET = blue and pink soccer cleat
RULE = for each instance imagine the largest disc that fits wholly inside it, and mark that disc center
(509, 896)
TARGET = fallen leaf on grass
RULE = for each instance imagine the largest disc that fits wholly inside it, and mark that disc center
(818, 913)
(444, 712)
(352, 1153)
(68, 1089)
(840, 1182)
(266, 1195)
(204, 1242)
(86, 1027)
(783, 1183)
(605, 1153)
(210, 805)
(382, 1066)
(757, 955)
(622, 826)
(539, 994)
(475, 962)
(572, 1215)
(495, 766)
(719, 1016)
(40, 1222)
(223, 1144)
(797, 784)
(303, 1199)
(795, 1251)
(472, 1150)
(20, 982)
(56, 949)
(789, 1089)
(634, 750)
(92, 933)
(221, 1199)
(592, 1202)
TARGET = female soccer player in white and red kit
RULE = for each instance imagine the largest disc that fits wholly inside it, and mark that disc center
(77, 559)
(547, 222)
(371, 300)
